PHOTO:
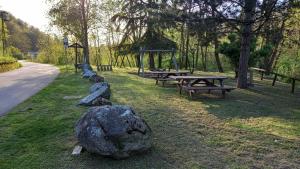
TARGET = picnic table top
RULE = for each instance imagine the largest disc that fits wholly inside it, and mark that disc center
(171, 72)
(198, 77)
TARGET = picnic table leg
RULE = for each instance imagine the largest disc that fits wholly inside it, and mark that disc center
(221, 83)
(293, 85)
(213, 83)
(223, 94)
(180, 87)
(157, 79)
(191, 93)
(262, 76)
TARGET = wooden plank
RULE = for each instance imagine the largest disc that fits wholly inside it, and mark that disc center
(208, 88)
(198, 77)
(165, 79)
(172, 72)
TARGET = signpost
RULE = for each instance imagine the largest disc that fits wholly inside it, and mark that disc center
(76, 46)
(66, 45)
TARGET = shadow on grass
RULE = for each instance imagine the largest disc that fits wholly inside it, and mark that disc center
(205, 124)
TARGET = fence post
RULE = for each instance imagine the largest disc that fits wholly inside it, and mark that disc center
(274, 80)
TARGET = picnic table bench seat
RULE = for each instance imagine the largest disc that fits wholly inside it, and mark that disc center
(194, 89)
(164, 80)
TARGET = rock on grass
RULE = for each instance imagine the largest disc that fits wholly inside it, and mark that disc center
(103, 92)
(98, 86)
(113, 131)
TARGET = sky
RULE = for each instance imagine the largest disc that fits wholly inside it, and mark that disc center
(32, 12)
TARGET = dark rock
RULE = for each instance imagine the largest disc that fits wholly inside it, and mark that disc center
(97, 86)
(88, 74)
(96, 79)
(101, 102)
(103, 92)
(113, 131)
(85, 67)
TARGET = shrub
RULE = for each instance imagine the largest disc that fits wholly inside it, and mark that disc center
(7, 60)
(8, 63)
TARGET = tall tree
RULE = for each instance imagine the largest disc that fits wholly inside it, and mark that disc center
(246, 37)
(75, 17)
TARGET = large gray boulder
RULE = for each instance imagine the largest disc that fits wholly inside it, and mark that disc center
(113, 131)
(101, 102)
(96, 79)
(88, 73)
(103, 92)
(85, 67)
(98, 86)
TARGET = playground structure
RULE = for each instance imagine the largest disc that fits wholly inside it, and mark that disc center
(141, 67)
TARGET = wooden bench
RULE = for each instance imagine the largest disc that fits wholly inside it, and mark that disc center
(193, 89)
(104, 68)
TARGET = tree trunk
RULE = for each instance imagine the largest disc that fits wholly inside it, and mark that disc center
(274, 55)
(216, 39)
(246, 37)
(86, 51)
(187, 47)
(204, 58)
(182, 46)
(138, 61)
(151, 61)
(197, 54)
(160, 60)
(217, 57)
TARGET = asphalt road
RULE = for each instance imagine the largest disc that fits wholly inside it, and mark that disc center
(18, 85)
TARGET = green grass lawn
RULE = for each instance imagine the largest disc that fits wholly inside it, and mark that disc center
(254, 128)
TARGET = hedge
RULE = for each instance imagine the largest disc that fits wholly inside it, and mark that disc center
(8, 63)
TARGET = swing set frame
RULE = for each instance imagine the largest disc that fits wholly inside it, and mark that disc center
(141, 70)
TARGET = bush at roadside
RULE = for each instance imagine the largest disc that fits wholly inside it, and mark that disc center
(8, 63)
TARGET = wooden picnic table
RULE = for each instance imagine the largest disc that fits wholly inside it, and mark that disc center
(164, 75)
(194, 83)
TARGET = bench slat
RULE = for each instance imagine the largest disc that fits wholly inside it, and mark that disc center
(208, 88)
(165, 79)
